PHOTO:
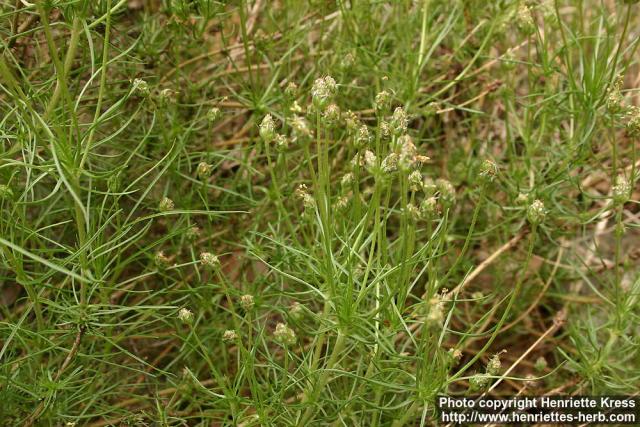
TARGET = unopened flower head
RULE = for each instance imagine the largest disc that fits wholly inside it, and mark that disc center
(369, 160)
(229, 335)
(383, 102)
(161, 260)
(347, 61)
(5, 192)
(415, 180)
(435, 314)
(166, 97)
(352, 122)
(209, 260)
(399, 121)
(141, 87)
(428, 186)
(267, 129)
(455, 354)
(323, 91)
(300, 127)
(284, 335)
(621, 190)
(524, 20)
(536, 212)
(166, 204)
(185, 315)
(429, 208)
(408, 153)
(479, 381)
(342, 203)
(447, 191)
(204, 170)
(385, 130)
(307, 199)
(432, 108)
(291, 90)
(363, 137)
(494, 365)
(488, 171)
(347, 180)
(213, 114)
(614, 96)
(247, 302)
(390, 163)
(192, 233)
(282, 143)
(296, 310)
(331, 115)
(413, 213)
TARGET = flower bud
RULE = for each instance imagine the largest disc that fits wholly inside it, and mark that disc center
(229, 335)
(399, 121)
(185, 315)
(291, 91)
(209, 260)
(383, 102)
(282, 143)
(429, 208)
(5, 192)
(322, 92)
(247, 302)
(331, 115)
(494, 365)
(204, 170)
(141, 88)
(161, 260)
(390, 163)
(213, 115)
(621, 190)
(536, 212)
(447, 191)
(363, 137)
(166, 204)
(415, 180)
(284, 335)
(267, 129)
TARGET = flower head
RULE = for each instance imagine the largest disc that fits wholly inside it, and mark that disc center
(214, 114)
(323, 91)
(536, 212)
(383, 102)
(141, 87)
(284, 335)
(267, 129)
(166, 204)
(204, 170)
(229, 335)
(185, 315)
(399, 121)
(210, 260)
(247, 302)
(621, 190)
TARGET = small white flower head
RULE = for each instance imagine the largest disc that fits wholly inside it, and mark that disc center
(247, 302)
(300, 127)
(322, 92)
(435, 315)
(209, 260)
(383, 102)
(479, 381)
(229, 335)
(369, 160)
(488, 171)
(141, 88)
(385, 130)
(185, 316)
(522, 199)
(342, 204)
(524, 20)
(455, 354)
(413, 213)
(390, 163)
(308, 201)
(347, 61)
(428, 186)
(415, 180)
(161, 260)
(621, 190)
(291, 91)
(432, 108)
(614, 96)
(633, 121)
(296, 311)
(429, 208)
(352, 122)
(267, 129)
(166, 97)
(399, 121)
(494, 365)
(447, 191)
(536, 212)
(282, 143)
(363, 137)
(214, 114)
(5, 192)
(347, 180)
(192, 233)
(295, 108)
(408, 153)
(541, 364)
(284, 335)
(166, 205)
(204, 170)
(331, 115)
